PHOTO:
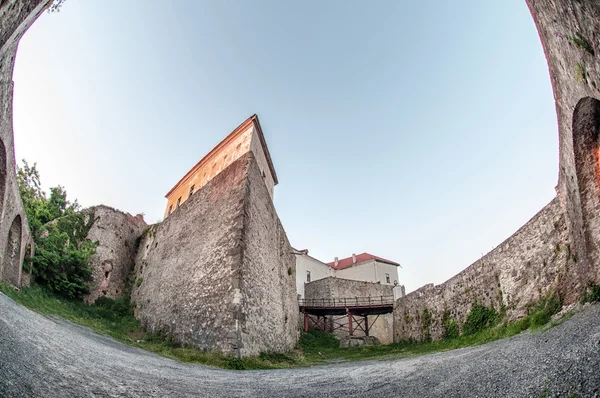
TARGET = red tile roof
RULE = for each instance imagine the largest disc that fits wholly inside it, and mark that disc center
(360, 258)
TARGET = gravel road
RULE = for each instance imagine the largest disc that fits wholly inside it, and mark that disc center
(49, 357)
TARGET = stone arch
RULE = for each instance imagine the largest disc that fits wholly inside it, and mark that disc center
(12, 254)
(586, 151)
(3, 174)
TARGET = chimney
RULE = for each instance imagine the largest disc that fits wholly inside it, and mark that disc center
(353, 258)
(335, 261)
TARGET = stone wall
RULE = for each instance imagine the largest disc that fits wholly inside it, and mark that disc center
(331, 287)
(116, 234)
(575, 75)
(15, 18)
(526, 267)
(269, 303)
(215, 274)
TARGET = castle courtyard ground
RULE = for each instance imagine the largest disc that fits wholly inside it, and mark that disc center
(49, 357)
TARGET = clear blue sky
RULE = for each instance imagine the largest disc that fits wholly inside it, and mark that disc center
(423, 132)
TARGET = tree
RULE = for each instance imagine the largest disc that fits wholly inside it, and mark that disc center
(59, 229)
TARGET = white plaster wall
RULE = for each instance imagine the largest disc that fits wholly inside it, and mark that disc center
(370, 271)
(318, 270)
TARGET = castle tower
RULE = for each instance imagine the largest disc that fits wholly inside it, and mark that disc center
(247, 137)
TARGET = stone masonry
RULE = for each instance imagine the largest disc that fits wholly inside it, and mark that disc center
(15, 237)
(521, 270)
(116, 234)
(218, 273)
(526, 266)
(331, 287)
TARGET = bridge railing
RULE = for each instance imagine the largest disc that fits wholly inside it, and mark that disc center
(348, 302)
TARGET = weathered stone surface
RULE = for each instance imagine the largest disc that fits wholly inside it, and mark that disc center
(116, 234)
(215, 274)
(15, 17)
(521, 270)
(338, 288)
(570, 35)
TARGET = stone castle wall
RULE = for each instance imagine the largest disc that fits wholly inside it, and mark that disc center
(15, 238)
(214, 274)
(521, 270)
(269, 304)
(575, 77)
(331, 287)
(116, 234)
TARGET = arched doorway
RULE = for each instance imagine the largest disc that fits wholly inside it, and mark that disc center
(586, 150)
(12, 254)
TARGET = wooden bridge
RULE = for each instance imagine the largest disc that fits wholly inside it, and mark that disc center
(351, 311)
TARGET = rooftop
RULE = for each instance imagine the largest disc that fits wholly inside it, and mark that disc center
(360, 258)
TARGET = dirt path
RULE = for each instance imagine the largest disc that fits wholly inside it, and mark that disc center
(47, 357)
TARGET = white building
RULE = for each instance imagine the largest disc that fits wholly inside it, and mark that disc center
(362, 267)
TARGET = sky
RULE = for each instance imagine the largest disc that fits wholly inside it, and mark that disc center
(422, 132)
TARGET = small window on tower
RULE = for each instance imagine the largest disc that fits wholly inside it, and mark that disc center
(192, 189)
(308, 276)
(178, 202)
(170, 209)
(264, 175)
(387, 278)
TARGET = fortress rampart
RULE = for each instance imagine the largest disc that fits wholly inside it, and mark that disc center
(218, 273)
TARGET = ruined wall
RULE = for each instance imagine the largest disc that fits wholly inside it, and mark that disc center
(332, 287)
(116, 234)
(532, 263)
(15, 18)
(215, 273)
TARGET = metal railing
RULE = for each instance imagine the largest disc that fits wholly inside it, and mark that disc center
(382, 301)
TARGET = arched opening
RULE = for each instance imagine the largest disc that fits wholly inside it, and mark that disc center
(12, 254)
(586, 148)
(2, 174)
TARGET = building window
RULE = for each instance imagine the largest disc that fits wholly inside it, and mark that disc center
(387, 278)
(170, 209)
(192, 189)
(308, 276)
(178, 202)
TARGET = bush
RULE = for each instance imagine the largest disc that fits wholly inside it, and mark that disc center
(450, 327)
(479, 318)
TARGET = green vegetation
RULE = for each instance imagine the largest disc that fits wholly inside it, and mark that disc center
(582, 43)
(591, 294)
(426, 324)
(479, 318)
(580, 74)
(59, 231)
(450, 326)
